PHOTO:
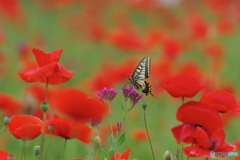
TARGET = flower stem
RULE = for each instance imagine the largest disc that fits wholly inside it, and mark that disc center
(46, 91)
(42, 139)
(44, 119)
(95, 154)
(2, 129)
(111, 125)
(145, 121)
(182, 142)
(64, 148)
(44, 157)
(124, 118)
(23, 150)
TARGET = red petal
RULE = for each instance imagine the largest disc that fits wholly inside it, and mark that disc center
(202, 138)
(25, 126)
(54, 72)
(226, 148)
(183, 133)
(183, 86)
(46, 58)
(4, 155)
(197, 113)
(196, 151)
(125, 155)
(79, 105)
(218, 137)
(221, 101)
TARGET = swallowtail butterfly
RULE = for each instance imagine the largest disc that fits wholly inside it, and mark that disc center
(140, 73)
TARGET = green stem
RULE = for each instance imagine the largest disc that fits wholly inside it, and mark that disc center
(182, 150)
(182, 142)
(42, 139)
(111, 125)
(36, 157)
(124, 118)
(95, 154)
(2, 129)
(44, 157)
(46, 91)
(44, 119)
(64, 148)
(145, 121)
(23, 150)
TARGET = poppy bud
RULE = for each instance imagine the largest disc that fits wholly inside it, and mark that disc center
(144, 105)
(11, 157)
(51, 128)
(6, 120)
(97, 142)
(44, 106)
(37, 150)
(167, 155)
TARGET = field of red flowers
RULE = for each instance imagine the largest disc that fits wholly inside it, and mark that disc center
(64, 79)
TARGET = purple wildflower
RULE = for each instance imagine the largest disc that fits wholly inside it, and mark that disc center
(119, 126)
(130, 93)
(107, 94)
(95, 121)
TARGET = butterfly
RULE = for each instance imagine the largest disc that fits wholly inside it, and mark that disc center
(140, 73)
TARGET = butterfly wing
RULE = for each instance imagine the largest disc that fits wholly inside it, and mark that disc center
(142, 71)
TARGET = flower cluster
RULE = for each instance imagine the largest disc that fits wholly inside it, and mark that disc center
(107, 94)
(132, 95)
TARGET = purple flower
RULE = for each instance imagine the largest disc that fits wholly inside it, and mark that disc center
(95, 121)
(107, 94)
(132, 95)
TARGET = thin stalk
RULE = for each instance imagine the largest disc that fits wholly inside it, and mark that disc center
(187, 158)
(36, 157)
(44, 119)
(64, 148)
(95, 154)
(23, 150)
(182, 142)
(182, 150)
(111, 124)
(46, 91)
(145, 121)
(44, 157)
(2, 129)
(124, 118)
(42, 139)
(206, 158)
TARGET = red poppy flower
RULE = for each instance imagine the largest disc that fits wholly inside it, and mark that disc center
(127, 40)
(221, 101)
(10, 8)
(49, 70)
(172, 48)
(205, 143)
(115, 74)
(77, 104)
(25, 126)
(9, 105)
(68, 128)
(4, 155)
(140, 135)
(183, 86)
(194, 114)
(198, 27)
(123, 156)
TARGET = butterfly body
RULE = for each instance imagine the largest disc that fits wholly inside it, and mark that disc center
(140, 73)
